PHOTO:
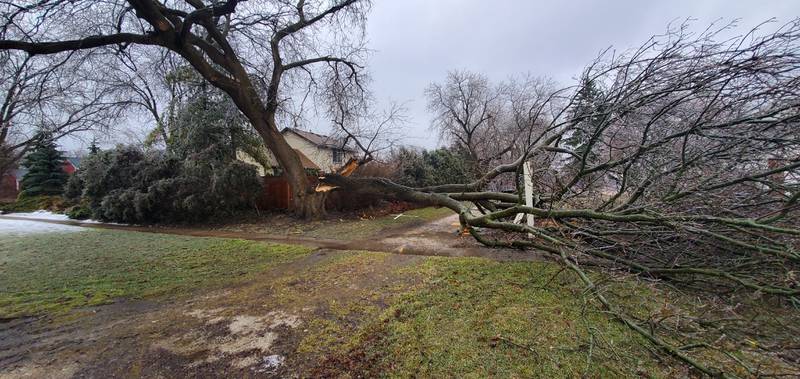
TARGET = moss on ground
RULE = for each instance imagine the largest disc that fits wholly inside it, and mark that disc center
(52, 273)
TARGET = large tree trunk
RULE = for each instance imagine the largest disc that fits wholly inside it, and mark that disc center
(306, 202)
(310, 206)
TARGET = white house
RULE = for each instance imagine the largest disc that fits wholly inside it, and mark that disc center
(316, 151)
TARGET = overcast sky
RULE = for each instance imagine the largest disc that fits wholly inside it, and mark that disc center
(416, 42)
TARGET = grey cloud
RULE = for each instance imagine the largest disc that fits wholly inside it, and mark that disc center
(418, 41)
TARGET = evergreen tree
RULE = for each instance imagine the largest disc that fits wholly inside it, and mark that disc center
(435, 167)
(45, 166)
(93, 148)
(588, 115)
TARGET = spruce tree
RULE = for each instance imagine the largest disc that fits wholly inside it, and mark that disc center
(588, 115)
(93, 148)
(46, 174)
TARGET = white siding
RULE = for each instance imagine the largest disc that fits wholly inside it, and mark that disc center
(322, 157)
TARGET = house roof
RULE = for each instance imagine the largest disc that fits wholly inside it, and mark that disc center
(74, 161)
(319, 140)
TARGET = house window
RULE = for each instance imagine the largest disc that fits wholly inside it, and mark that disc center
(338, 156)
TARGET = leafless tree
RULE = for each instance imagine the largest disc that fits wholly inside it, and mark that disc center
(357, 122)
(466, 110)
(147, 84)
(690, 141)
(53, 95)
(253, 51)
(483, 119)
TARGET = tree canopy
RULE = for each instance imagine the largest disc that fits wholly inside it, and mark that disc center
(257, 53)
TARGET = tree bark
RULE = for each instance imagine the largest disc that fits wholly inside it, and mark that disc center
(306, 203)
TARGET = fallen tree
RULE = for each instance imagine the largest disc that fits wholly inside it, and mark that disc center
(683, 165)
(678, 160)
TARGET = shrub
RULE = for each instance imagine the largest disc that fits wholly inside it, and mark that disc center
(34, 203)
(429, 168)
(78, 212)
(127, 185)
(74, 188)
(196, 178)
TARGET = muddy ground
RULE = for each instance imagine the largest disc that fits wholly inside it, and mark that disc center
(268, 327)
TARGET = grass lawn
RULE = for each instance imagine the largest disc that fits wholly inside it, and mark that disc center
(367, 314)
(57, 272)
(471, 317)
(474, 318)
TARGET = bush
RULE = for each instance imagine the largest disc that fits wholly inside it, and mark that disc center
(127, 185)
(74, 188)
(196, 178)
(34, 203)
(78, 212)
(430, 168)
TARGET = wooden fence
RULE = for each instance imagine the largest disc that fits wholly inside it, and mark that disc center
(8, 188)
(277, 195)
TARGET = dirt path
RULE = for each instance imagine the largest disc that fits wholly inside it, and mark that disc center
(262, 328)
(436, 238)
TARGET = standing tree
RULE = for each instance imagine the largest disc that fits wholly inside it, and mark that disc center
(148, 84)
(48, 93)
(588, 117)
(484, 119)
(466, 110)
(93, 148)
(255, 52)
(45, 166)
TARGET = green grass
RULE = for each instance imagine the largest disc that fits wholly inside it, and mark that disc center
(359, 229)
(381, 315)
(475, 318)
(52, 273)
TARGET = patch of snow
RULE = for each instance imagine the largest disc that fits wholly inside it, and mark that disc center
(254, 334)
(51, 216)
(42, 215)
(240, 344)
(245, 362)
(23, 227)
(271, 364)
(244, 324)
